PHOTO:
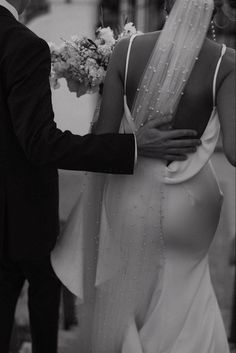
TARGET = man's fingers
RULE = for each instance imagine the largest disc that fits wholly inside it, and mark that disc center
(184, 143)
(181, 151)
(167, 157)
(175, 134)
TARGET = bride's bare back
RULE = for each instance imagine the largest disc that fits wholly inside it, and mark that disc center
(196, 105)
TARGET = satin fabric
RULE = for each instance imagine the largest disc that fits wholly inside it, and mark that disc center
(152, 294)
(143, 243)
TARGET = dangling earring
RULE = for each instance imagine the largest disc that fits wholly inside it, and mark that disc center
(213, 31)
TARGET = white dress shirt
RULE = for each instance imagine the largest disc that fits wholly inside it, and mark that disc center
(10, 8)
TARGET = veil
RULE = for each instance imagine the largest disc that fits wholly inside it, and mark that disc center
(76, 256)
(172, 60)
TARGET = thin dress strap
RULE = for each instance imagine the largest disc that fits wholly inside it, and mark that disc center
(223, 51)
(127, 61)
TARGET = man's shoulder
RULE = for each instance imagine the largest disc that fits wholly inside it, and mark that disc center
(27, 36)
(15, 37)
(21, 49)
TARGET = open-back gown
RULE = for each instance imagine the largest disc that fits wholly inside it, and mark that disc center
(153, 289)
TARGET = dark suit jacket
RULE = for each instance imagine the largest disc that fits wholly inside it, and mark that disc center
(32, 147)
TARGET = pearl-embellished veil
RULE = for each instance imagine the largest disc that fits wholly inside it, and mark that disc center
(172, 60)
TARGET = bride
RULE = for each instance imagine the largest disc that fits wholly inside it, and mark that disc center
(135, 250)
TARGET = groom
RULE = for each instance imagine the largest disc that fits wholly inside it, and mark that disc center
(31, 150)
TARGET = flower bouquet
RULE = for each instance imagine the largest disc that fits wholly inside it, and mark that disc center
(83, 62)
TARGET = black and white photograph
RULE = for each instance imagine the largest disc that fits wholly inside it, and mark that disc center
(117, 176)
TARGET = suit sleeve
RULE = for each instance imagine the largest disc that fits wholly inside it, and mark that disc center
(30, 105)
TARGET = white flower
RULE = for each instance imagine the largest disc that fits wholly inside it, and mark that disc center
(129, 30)
(107, 35)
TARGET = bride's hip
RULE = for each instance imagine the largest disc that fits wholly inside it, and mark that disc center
(192, 210)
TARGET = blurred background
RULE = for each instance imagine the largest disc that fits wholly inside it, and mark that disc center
(59, 19)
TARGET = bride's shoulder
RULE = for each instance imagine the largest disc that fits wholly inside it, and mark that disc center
(140, 40)
(147, 38)
(214, 49)
(211, 52)
(119, 54)
(229, 58)
(121, 46)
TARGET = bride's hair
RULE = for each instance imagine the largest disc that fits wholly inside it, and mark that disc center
(218, 6)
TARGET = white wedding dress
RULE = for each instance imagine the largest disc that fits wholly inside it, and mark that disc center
(153, 289)
(135, 250)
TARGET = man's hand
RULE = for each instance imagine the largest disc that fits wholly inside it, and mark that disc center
(169, 145)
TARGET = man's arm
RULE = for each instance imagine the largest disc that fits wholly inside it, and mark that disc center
(29, 101)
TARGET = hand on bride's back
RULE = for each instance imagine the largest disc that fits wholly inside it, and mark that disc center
(171, 145)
